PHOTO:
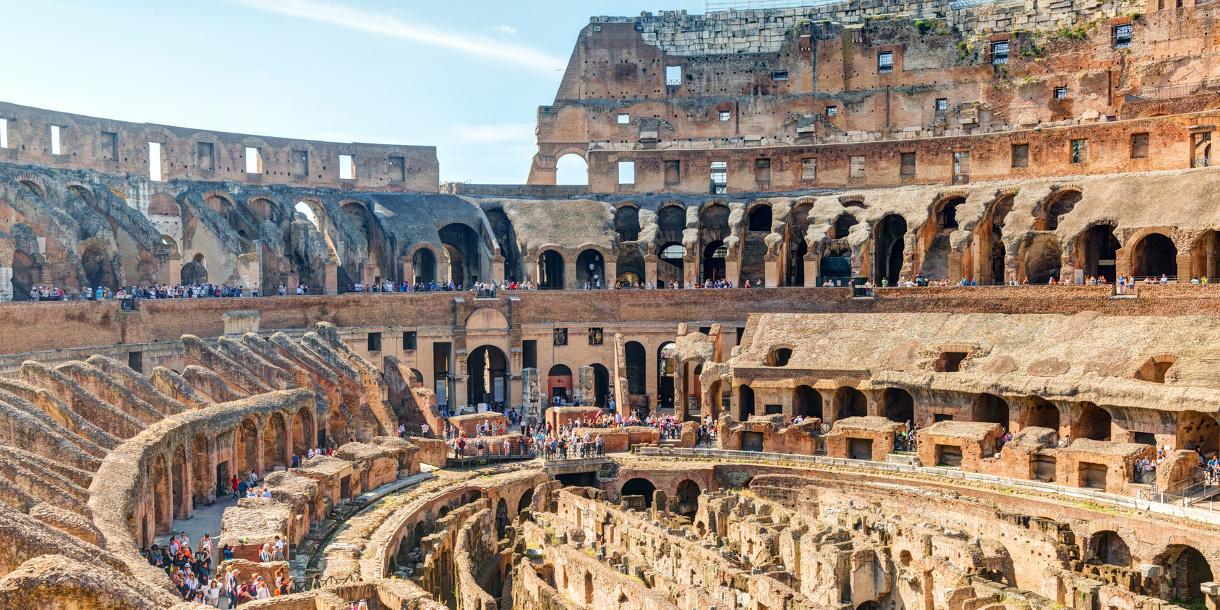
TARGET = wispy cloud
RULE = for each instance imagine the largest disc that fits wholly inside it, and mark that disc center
(352, 18)
(496, 133)
(505, 29)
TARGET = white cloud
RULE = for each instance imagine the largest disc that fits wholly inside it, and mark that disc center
(387, 25)
(505, 29)
(496, 133)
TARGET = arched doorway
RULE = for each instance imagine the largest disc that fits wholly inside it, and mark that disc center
(502, 520)
(990, 408)
(559, 382)
(1153, 256)
(745, 402)
(714, 255)
(888, 245)
(1042, 414)
(1186, 569)
(850, 402)
(670, 265)
(1109, 548)
(275, 442)
(899, 405)
(688, 497)
(1092, 422)
(550, 270)
(796, 230)
(1054, 209)
(627, 223)
(630, 266)
(194, 273)
(713, 228)
(601, 385)
(423, 262)
(572, 169)
(1096, 251)
(639, 487)
(462, 245)
(1042, 258)
(590, 269)
(637, 363)
(665, 375)
(487, 376)
(25, 275)
(990, 237)
(806, 402)
(526, 499)
(935, 238)
(506, 237)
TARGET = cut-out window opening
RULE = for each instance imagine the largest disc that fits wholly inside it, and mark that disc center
(779, 356)
(906, 168)
(623, 118)
(809, 169)
(942, 104)
(832, 111)
(1061, 93)
(1020, 155)
(725, 115)
(779, 75)
(56, 143)
(1122, 36)
(205, 156)
(1139, 145)
(885, 62)
(254, 161)
(950, 362)
(347, 167)
(673, 76)
(398, 169)
(856, 167)
(408, 340)
(1079, 151)
(626, 172)
(720, 177)
(999, 52)
(154, 161)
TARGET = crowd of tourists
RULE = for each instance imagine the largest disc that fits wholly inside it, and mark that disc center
(674, 284)
(905, 439)
(435, 286)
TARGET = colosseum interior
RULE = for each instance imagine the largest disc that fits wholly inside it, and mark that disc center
(972, 369)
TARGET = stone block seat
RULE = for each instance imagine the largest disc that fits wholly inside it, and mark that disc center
(769, 434)
(468, 424)
(562, 416)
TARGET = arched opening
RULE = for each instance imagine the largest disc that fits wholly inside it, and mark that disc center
(899, 405)
(302, 431)
(247, 448)
(559, 382)
(1154, 256)
(714, 256)
(25, 275)
(990, 408)
(462, 245)
(1198, 432)
(797, 247)
(630, 266)
(550, 270)
(423, 263)
(506, 237)
(665, 375)
(990, 236)
(1186, 569)
(526, 499)
(194, 273)
(888, 245)
(310, 215)
(688, 497)
(501, 517)
(639, 487)
(178, 480)
(779, 356)
(1156, 368)
(850, 402)
(670, 265)
(745, 402)
(1050, 213)
(806, 402)
(843, 225)
(1096, 250)
(590, 269)
(1041, 414)
(572, 169)
(601, 385)
(835, 265)
(1092, 422)
(99, 266)
(1042, 258)
(1109, 548)
(275, 442)
(627, 223)
(359, 216)
(1205, 256)
(487, 370)
(637, 362)
(713, 228)
(760, 218)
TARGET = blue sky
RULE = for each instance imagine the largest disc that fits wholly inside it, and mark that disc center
(463, 76)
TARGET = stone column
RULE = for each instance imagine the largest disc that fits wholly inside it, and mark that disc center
(772, 264)
(408, 270)
(497, 268)
(531, 269)
(610, 273)
(811, 262)
(650, 269)
(331, 285)
(1211, 595)
(6, 284)
(569, 273)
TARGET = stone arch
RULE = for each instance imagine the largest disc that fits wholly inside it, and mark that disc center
(201, 466)
(713, 229)
(591, 268)
(27, 273)
(195, 272)
(989, 238)
(1041, 413)
(806, 402)
(559, 381)
(1041, 258)
(687, 497)
(1092, 422)
(630, 265)
(506, 237)
(461, 244)
(601, 384)
(571, 168)
(638, 486)
(627, 222)
(1156, 368)
(889, 237)
(779, 356)
(1154, 255)
(671, 263)
(502, 519)
(795, 232)
(1108, 547)
(550, 270)
(527, 498)
(1096, 251)
(1197, 431)
(850, 402)
(898, 405)
(34, 186)
(1186, 568)
(423, 265)
(1051, 211)
(488, 374)
(162, 503)
(759, 217)
(990, 408)
(302, 431)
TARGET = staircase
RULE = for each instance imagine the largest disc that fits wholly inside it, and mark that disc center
(936, 261)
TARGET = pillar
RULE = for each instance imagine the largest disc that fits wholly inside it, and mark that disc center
(773, 266)
(407, 265)
(811, 263)
(650, 269)
(610, 271)
(6, 284)
(1211, 595)
(497, 268)
(732, 267)
(569, 273)
(531, 269)
(330, 283)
